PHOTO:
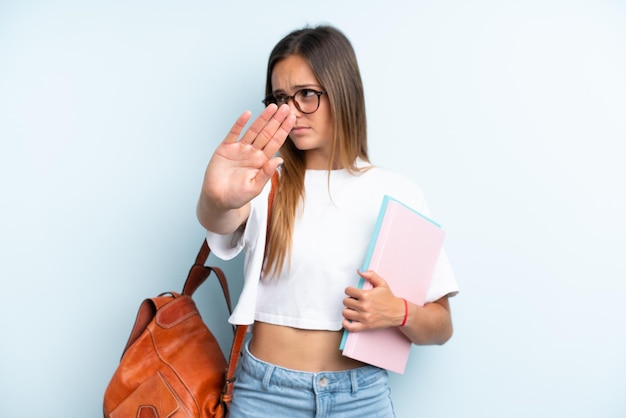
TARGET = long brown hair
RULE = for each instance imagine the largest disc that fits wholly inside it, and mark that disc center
(334, 64)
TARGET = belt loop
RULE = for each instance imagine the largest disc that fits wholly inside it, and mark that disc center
(354, 377)
(267, 376)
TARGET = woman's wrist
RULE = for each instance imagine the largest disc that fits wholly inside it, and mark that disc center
(406, 312)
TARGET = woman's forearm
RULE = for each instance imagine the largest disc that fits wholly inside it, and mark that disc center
(220, 220)
(429, 324)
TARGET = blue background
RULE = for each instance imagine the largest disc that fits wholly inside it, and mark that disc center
(510, 115)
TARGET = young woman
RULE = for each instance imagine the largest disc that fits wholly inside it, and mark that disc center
(300, 274)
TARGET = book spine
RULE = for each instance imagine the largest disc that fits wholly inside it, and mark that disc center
(345, 344)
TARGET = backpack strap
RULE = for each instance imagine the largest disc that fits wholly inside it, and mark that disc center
(199, 272)
(240, 333)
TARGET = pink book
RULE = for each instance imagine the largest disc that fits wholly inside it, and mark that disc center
(404, 249)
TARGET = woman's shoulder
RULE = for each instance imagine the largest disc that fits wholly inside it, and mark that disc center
(387, 177)
(395, 184)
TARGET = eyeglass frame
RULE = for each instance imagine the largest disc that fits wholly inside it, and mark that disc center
(272, 99)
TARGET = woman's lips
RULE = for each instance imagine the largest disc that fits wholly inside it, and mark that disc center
(298, 129)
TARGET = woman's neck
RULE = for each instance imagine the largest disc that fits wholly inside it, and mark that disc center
(316, 161)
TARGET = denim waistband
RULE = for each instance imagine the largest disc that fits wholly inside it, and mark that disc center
(325, 381)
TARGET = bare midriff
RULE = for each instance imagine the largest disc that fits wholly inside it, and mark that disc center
(300, 349)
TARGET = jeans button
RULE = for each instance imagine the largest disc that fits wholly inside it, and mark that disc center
(323, 382)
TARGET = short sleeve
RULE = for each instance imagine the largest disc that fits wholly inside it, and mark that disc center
(229, 246)
(443, 283)
(251, 240)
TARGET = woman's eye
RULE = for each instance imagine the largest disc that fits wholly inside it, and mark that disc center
(307, 92)
(280, 99)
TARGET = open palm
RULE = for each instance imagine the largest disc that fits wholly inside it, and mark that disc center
(240, 167)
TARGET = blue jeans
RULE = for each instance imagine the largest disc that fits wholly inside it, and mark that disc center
(265, 390)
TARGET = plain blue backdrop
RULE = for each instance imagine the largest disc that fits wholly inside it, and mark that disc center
(510, 115)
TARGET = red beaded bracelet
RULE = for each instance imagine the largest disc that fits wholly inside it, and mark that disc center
(406, 312)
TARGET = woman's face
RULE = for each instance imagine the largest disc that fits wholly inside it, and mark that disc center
(312, 132)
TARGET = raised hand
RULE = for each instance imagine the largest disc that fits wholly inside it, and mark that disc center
(240, 167)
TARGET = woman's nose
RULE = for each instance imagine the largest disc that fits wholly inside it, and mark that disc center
(293, 107)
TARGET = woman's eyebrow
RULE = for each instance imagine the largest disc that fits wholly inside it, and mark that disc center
(298, 87)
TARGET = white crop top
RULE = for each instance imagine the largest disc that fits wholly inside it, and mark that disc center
(332, 231)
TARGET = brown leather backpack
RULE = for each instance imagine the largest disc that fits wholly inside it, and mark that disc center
(172, 365)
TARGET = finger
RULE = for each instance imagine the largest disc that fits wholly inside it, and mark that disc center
(275, 131)
(280, 136)
(353, 292)
(267, 171)
(352, 326)
(374, 278)
(350, 315)
(350, 303)
(237, 128)
(258, 124)
(264, 129)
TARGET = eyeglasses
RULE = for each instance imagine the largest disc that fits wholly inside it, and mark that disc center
(306, 100)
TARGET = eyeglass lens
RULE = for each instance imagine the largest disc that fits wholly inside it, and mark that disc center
(305, 100)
